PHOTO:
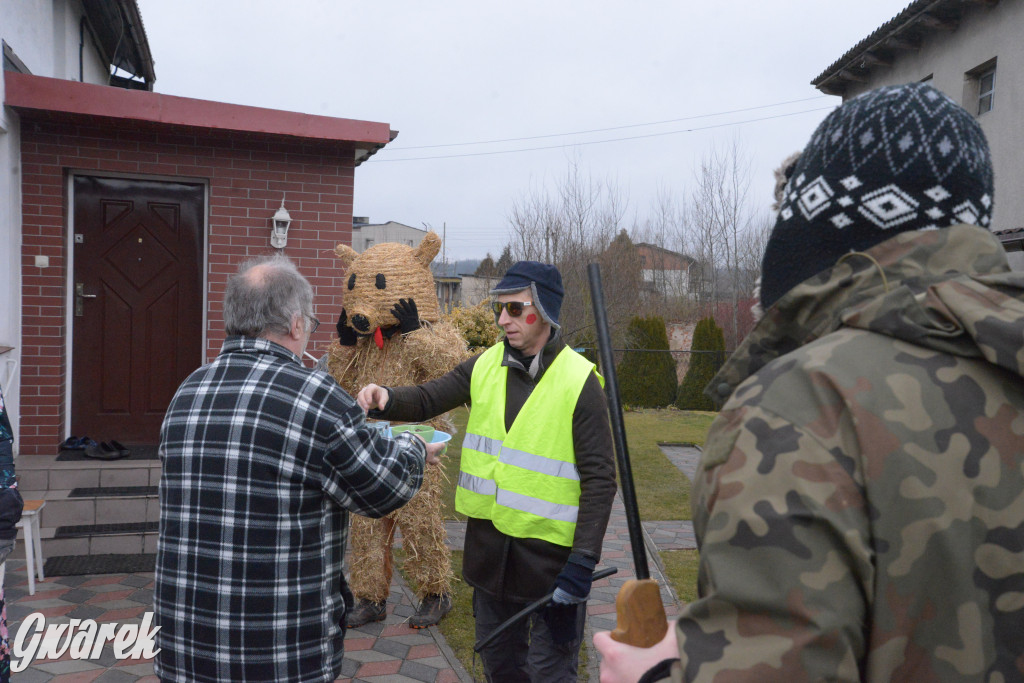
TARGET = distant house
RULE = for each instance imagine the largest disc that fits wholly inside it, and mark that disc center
(665, 272)
(366, 234)
(973, 52)
(1013, 242)
(475, 289)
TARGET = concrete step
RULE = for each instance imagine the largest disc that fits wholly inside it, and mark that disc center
(45, 473)
(92, 508)
(110, 505)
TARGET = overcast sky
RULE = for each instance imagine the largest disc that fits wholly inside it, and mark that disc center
(458, 71)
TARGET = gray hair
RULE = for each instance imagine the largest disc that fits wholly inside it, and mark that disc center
(264, 296)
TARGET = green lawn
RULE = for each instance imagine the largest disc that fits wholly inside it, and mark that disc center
(681, 572)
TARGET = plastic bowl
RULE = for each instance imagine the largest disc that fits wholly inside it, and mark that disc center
(441, 437)
(425, 432)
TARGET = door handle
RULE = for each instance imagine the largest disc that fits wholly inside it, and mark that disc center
(79, 295)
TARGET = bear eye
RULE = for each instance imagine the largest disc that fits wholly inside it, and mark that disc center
(352, 281)
(381, 282)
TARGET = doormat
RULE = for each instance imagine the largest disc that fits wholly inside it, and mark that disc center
(146, 452)
(77, 565)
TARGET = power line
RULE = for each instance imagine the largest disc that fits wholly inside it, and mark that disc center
(377, 160)
(603, 130)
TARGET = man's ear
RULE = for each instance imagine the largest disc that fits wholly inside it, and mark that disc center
(298, 327)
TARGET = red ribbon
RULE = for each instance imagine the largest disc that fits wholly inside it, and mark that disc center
(378, 339)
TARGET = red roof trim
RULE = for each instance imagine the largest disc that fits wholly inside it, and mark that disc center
(27, 92)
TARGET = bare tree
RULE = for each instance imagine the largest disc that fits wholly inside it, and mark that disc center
(572, 227)
(721, 217)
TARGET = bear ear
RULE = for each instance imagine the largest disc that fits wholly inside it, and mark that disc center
(345, 254)
(428, 248)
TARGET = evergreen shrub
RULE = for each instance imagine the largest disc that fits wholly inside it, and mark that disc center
(707, 337)
(647, 380)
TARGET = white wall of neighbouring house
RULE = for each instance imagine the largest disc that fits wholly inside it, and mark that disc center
(45, 37)
(949, 58)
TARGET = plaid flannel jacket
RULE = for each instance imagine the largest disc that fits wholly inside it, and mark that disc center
(262, 461)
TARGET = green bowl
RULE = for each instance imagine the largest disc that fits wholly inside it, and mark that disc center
(425, 432)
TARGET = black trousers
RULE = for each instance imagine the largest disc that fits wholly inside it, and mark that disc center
(525, 651)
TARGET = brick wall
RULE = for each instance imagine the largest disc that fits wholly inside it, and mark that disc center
(247, 176)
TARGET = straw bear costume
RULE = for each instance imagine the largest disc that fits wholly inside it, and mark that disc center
(391, 333)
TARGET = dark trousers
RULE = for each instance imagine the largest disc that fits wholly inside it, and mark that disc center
(525, 651)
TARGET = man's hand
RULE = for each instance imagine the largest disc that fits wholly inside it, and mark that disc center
(346, 335)
(373, 397)
(621, 663)
(434, 452)
(407, 316)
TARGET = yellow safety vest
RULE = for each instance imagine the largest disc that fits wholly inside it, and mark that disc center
(525, 480)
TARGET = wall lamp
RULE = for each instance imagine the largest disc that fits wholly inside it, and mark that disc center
(279, 225)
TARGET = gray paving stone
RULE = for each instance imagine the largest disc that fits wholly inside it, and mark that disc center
(86, 612)
(391, 647)
(138, 580)
(116, 676)
(78, 595)
(418, 671)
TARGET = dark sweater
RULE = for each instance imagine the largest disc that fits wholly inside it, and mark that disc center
(524, 569)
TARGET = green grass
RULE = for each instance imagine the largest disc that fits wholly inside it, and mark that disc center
(681, 572)
(663, 492)
(459, 628)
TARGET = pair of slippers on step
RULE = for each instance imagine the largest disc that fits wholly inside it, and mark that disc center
(106, 450)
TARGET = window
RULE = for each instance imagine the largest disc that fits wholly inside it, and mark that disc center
(980, 88)
(986, 90)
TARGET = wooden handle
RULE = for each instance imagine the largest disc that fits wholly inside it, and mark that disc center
(640, 614)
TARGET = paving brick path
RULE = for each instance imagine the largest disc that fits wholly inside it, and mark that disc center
(386, 652)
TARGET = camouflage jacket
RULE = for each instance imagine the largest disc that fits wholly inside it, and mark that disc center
(860, 505)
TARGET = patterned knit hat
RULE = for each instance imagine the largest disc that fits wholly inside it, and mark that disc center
(894, 159)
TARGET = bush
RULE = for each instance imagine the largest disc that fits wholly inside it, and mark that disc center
(707, 337)
(476, 324)
(647, 380)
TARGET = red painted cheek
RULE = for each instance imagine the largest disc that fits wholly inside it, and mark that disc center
(531, 319)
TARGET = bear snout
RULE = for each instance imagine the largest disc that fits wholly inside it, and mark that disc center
(361, 323)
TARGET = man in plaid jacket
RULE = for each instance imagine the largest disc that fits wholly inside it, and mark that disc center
(263, 459)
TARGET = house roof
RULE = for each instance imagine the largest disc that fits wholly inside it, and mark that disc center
(1012, 238)
(28, 93)
(121, 36)
(663, 250)
(905, 31)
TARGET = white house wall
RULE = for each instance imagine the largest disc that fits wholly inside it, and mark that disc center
(983, 34)
(44, 35)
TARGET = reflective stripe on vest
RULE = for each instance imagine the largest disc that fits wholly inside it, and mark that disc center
(525, 481)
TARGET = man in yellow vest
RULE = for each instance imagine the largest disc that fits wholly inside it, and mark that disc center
(537, 478)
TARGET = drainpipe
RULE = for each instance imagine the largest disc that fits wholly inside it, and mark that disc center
(81, 49)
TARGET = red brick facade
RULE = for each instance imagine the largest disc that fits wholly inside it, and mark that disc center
(246, 174)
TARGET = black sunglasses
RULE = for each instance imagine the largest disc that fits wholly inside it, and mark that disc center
(315, 322)
(514, 308)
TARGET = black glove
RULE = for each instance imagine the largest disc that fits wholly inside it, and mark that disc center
(561, 621)
(346, 335)
(572, 585)
(407, 315)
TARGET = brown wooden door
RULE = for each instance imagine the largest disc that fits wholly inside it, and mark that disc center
(137, 325)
